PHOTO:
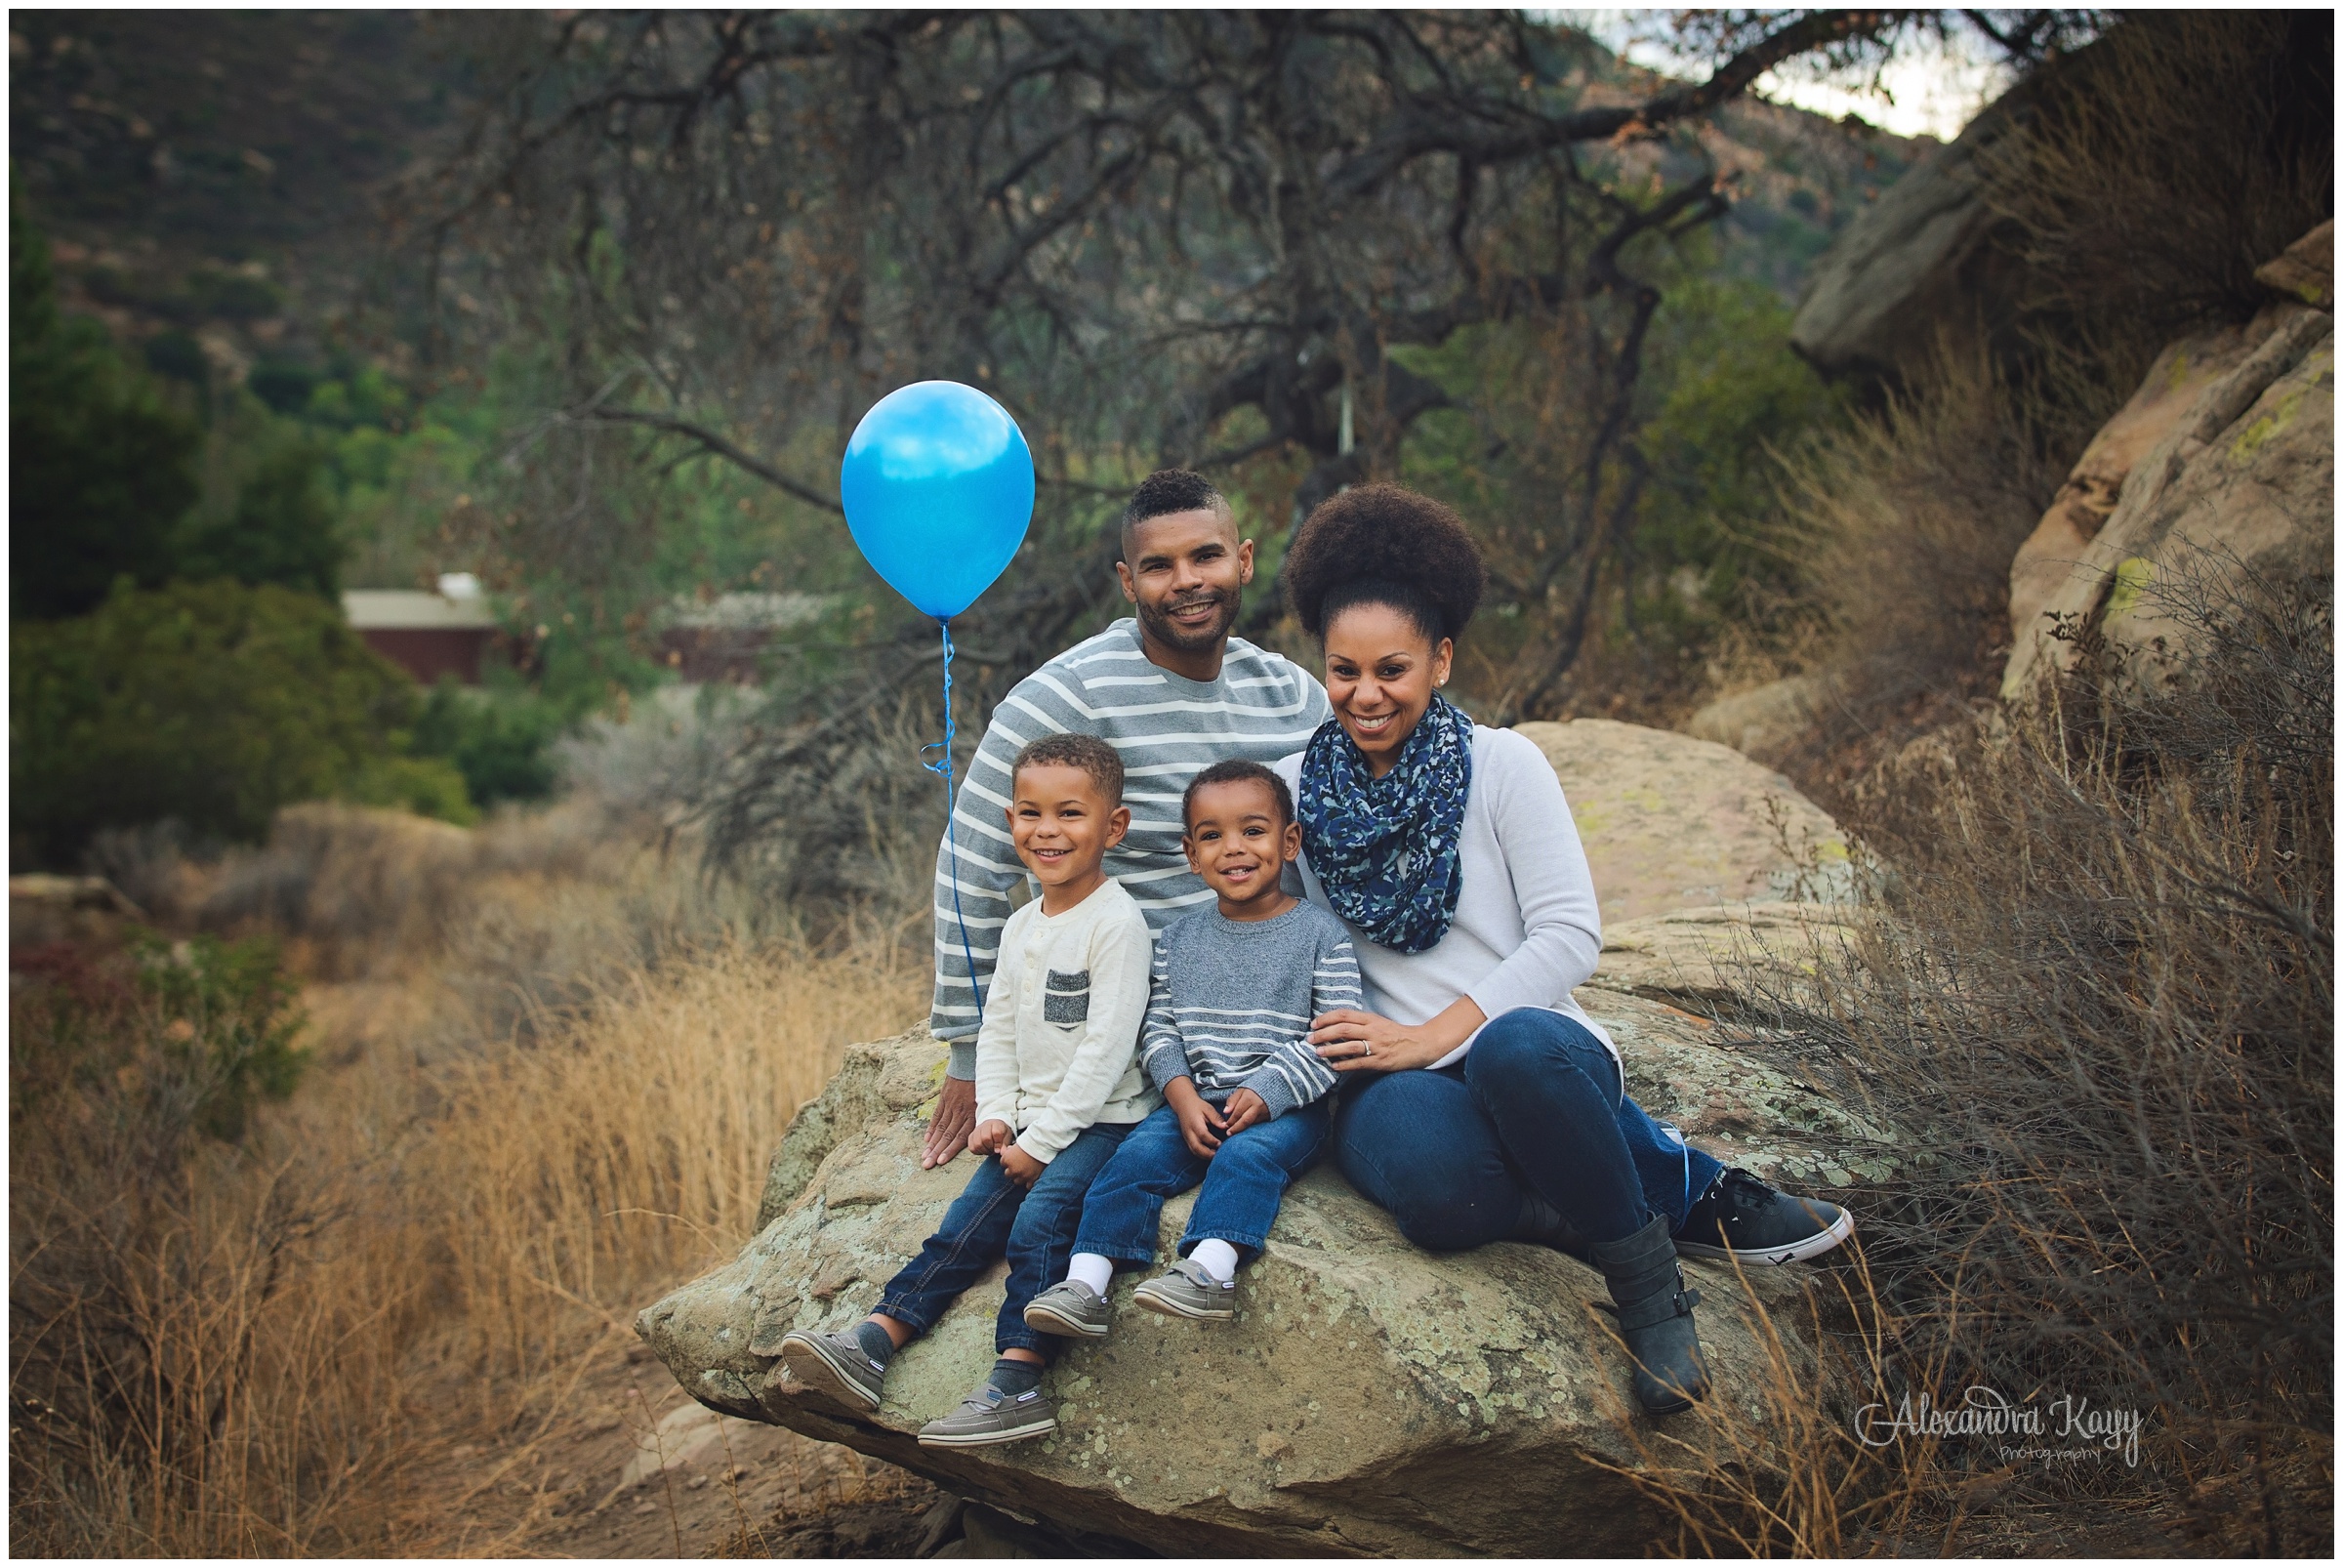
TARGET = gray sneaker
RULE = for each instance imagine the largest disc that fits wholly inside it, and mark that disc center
(988, 1416)
(1188, 1290)
(834, 1364)
(1071, 1308)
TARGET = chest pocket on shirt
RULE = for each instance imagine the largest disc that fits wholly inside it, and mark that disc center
(1066, 998)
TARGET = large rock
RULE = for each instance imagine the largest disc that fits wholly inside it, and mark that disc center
(1673, 822)
(1370, 1398)
(2242, 481)
(1917, 267)
(2088, 498)
(2304, 270)
(1763, 721)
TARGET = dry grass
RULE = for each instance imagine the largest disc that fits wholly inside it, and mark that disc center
(2173, 158)
(2096, 1000)
(554, 1089)
(1903, 522)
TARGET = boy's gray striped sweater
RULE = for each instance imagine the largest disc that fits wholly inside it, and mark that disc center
(1231, 1002)
(1167, 727)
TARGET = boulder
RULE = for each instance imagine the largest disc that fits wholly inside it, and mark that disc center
(1917, 267)
(1370, 1398)
(44, 908)
(1673, 822)
(2304, 270)
(2242, 481)
(2083, 504)
(1762, 720)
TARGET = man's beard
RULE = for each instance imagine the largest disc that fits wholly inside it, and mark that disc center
(1164, 628)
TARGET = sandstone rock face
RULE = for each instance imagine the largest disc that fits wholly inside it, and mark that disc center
(2242, 479)
(1762, 720)
(2305, 271)
(2084, 502)
(1370, 1398)
(1915, 267)
(1673, 822)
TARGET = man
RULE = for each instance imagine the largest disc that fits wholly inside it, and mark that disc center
(1171, 691)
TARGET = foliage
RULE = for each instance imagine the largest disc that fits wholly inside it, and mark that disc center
(114, 476)
(497, 738)
(271, 516)
(212, 702)
(102, 463)
(2098, 1004)
(2167, 163)
(1730, 398)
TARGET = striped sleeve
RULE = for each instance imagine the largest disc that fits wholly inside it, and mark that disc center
(1161, 1051)
(977, 865)
(1294, 1074)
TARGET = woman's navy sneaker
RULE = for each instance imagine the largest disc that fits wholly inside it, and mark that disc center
(1742, 1218)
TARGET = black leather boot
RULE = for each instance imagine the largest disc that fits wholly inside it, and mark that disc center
(1654, 1317)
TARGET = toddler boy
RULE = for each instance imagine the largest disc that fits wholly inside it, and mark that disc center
(1057, 1089)
(1248, 1105)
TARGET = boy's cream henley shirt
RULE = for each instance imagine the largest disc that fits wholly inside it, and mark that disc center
(1059, 1049)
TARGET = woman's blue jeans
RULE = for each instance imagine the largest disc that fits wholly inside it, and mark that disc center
(1033, 1225)
(1244, 1182)
(1535, 1107)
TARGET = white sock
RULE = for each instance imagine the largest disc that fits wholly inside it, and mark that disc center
(1093, 1271)
(1218, 1257)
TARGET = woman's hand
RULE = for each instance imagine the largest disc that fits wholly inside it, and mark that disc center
(1348, 1039)
(1199, 1124)
(989, 1136)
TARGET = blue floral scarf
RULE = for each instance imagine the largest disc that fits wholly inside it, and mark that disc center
(1385, 848)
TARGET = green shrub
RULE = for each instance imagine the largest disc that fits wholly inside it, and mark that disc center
(272, 518)
(427, 786)
(210, 702)
(101, 466)
(496, 739)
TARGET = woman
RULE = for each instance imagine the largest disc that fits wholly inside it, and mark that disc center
(1484, 1103)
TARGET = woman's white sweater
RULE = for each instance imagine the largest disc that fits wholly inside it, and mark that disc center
(1528, 929)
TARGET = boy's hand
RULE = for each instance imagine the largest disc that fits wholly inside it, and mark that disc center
(1246, 1110)
(989, 1136)
(1199, 1122)
(1020, 1166)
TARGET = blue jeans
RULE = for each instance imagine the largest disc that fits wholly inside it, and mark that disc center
(1243, 1183)
(1033, 1225)
(1536, 1106)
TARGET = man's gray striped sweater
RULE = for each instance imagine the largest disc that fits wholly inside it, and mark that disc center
(1168, 730)
(1231, 1000)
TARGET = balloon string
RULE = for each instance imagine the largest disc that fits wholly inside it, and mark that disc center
(950, 806)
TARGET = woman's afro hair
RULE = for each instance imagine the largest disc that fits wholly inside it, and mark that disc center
(1385, 544)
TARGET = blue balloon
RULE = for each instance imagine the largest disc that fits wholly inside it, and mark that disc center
(938, 487)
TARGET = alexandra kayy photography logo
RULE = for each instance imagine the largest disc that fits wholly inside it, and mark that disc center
(2067, 1427)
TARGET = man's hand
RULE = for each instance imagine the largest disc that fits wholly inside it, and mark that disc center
(988, 1138)
(1244, 1109)
(1018, 1166)
(1199, 1122)
(948, 1129)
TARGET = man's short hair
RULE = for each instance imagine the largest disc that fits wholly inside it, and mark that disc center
(1237, 770)
(1165, 491)
(1089, 753)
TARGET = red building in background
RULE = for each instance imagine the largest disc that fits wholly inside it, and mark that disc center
(427, 634)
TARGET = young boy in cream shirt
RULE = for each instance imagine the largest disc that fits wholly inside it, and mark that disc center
(1058, 1086)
